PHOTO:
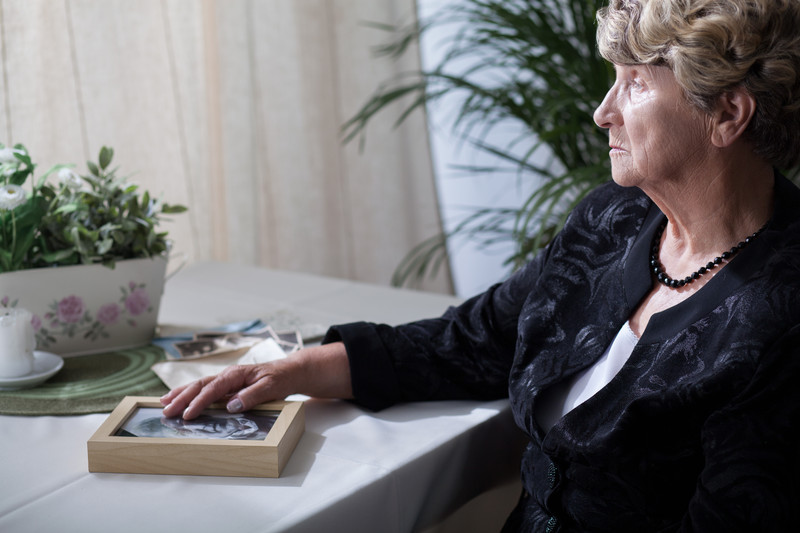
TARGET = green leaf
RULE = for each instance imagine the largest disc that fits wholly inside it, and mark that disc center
(58, 256)
(5, 260)
(106, 154)
(173, 209)
(93, 168)
(21, 176)
(67, 208)
(102, 247)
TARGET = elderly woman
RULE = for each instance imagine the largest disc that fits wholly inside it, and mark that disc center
(651, 353)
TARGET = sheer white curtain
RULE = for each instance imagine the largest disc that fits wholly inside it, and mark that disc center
(233, 108)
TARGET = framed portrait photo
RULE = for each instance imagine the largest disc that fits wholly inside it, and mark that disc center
(137, 438)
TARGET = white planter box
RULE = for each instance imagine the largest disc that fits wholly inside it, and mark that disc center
(86, 309)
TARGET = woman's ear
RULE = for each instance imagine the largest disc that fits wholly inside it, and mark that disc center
(732, 114)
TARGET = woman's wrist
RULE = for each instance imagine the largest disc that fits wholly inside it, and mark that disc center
(321, 371)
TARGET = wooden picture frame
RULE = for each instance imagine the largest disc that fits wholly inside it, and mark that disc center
(116, 447)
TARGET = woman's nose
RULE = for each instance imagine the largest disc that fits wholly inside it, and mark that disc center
(606, 112)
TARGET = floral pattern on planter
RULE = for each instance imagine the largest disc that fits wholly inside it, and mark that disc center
(70, 317)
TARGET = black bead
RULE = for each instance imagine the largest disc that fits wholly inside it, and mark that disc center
(726, 255)
(701, 271)
(710, 265)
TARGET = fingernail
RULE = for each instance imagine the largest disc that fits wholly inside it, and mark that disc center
(235, 405)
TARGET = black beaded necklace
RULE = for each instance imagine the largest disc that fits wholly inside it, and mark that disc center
(662, 277)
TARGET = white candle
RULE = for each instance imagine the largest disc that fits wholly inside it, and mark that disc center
(17, 342)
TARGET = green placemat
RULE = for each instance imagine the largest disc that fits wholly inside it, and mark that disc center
(90, 384)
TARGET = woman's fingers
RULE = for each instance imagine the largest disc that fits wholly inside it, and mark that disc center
(178, 399)
(245, 385)
(229, 381)
(265, 384)
(171, 395)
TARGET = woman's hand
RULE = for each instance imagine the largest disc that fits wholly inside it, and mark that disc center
(321, 371)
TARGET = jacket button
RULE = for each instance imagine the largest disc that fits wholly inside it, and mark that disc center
(552, 474)
(552, 524)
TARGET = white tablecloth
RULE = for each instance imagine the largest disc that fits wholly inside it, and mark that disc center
(403, 469)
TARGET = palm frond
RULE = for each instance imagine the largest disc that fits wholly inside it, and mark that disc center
(532, 63)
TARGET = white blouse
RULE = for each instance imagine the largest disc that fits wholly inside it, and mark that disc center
(558, 400)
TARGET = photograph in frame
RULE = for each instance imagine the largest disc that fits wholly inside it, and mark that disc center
(137, 439)
(211, 424)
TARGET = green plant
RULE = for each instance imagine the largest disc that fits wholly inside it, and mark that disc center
(529, 63)
(83, 219)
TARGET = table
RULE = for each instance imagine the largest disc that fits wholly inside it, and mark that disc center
(407, 468)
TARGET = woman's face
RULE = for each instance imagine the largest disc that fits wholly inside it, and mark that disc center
(656, 136)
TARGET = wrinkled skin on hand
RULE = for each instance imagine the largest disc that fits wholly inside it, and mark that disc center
(320, 371)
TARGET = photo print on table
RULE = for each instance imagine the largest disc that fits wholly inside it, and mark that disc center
(289, 341)
(211, 424)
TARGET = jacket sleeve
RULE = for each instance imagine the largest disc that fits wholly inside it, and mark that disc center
(751, 477)
(464, 354)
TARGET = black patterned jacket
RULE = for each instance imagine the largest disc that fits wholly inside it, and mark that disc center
(699, 429)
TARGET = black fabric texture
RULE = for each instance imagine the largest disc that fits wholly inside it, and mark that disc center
(698, 432)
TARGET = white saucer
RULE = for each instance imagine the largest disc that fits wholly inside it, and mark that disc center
(45, 365)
